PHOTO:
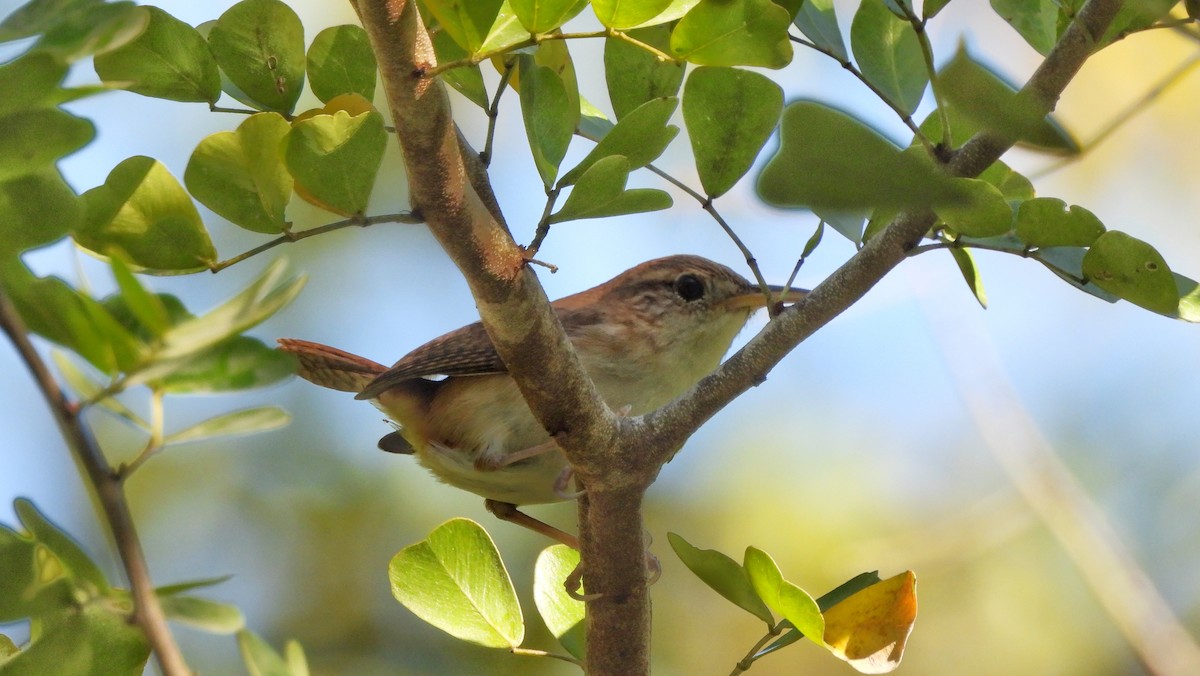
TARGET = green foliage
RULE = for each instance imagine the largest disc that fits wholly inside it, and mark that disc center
(600, 192)
(635, 75)
(340, 61)
(817, 20)
(262, 660)
(562, 614)
(241, 174)
(550, 117)
(641, 136)
(734, 33)
(169, 60)
(985, 212)
(334, 158)
(730, 114)
(259, 45)
(827, 159)
(724, 575)
(889, 54)
(454, 580)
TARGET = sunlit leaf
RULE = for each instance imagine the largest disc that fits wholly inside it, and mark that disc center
(82, 570)
(970, 273)
(141, 212)
(724, 575)
(539, 16)
(86, 387)
(259, 45)
(985, 213)
(32, 140)
(549, 115)
(562, 614)
(241, 176)
(468, 80)
(95, 639)
(734, 33)
(246, 421)
(340, 61)
(467, 22)
(238, 363)
(79, 30)
(600, 193)
(169, 60)
(785, 598)
(144, 305)
(622, 14)
(641, 136)
(211, 616)
(335, 157)
(870, 628)
(889, 54)
(635, 75)
(454, 579)
(262, 660)
(730, 114)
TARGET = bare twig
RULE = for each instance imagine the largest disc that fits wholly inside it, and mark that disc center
(493, 112)
(146, 610)
(746, 662)
(291, 236)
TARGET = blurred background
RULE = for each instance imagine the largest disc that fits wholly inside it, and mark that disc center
(859, 452)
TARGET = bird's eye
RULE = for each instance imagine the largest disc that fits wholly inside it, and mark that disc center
(689, 287)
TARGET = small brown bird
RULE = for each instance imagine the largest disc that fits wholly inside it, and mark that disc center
(644, 337)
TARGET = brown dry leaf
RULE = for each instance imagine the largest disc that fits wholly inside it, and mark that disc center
(869, 629)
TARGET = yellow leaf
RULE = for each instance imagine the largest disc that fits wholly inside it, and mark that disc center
(869, 628)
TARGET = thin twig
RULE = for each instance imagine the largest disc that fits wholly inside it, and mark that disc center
(543, 226)
(918, 25)
(146, 609)
(746, 662)
(290, 236)
(530, 652)
(154, 444)
(493, 112)
(846, 64)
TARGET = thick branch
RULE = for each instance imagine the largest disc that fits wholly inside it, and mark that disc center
(146, 610)
(511, 302)
(671, 425)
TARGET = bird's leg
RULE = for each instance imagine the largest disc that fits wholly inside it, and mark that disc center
(506, 511)
(486, 463)
(561, 483)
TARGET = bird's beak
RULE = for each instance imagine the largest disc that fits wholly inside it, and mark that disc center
(752, 300)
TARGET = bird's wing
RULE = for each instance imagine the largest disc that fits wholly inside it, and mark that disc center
(330, 367)
(465, 352)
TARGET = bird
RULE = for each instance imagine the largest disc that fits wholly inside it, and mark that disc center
(644, 337)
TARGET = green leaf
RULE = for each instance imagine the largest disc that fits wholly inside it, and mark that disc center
(262, 660)
(141, 212)
(889, 54)
(540, 16)
(191, 337)
(734, 33)
(549, 116)
(1040, 22)
(724, 575)
(92, 28)
(469, 23)
(966, 265)
(335, 157)
(1047, 222)
(96, 639)
(340, 61)
(245, 421)
(39, 16)
(468, 80)
(35, 210)
(259, 45)
(634, 75)
(622, 14)
(1189, 298)
(32, 140)
(849, 224)
(32, 81)
(33, 582)
(641, 136)
(562, 614)
(991, 103)
(86, 387)
(145, 306)
(1132, 269)
(169, 60)
(1014, 186)
(826, 159)
(239, 363)
(784, 597)
(817, 20)
(985, 213)
(180, 587)
(454, 579)
(814, 240)
(7, 648)
(506, 30)
(601, 192)
(80, 568)
(676, 9)
(1067, 263)
(240, 174)
(1136, 15)
(211, 616)
(730, 114)
(55, 311)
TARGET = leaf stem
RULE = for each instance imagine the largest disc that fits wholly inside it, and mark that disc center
(154, 444)
(290, 236)
(746, 662)
(147, 612)
(918, 25)
(493, 112)
(530, 652)
(543, 226)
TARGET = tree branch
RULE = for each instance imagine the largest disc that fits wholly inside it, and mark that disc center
(146, 610)
(671, 425)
